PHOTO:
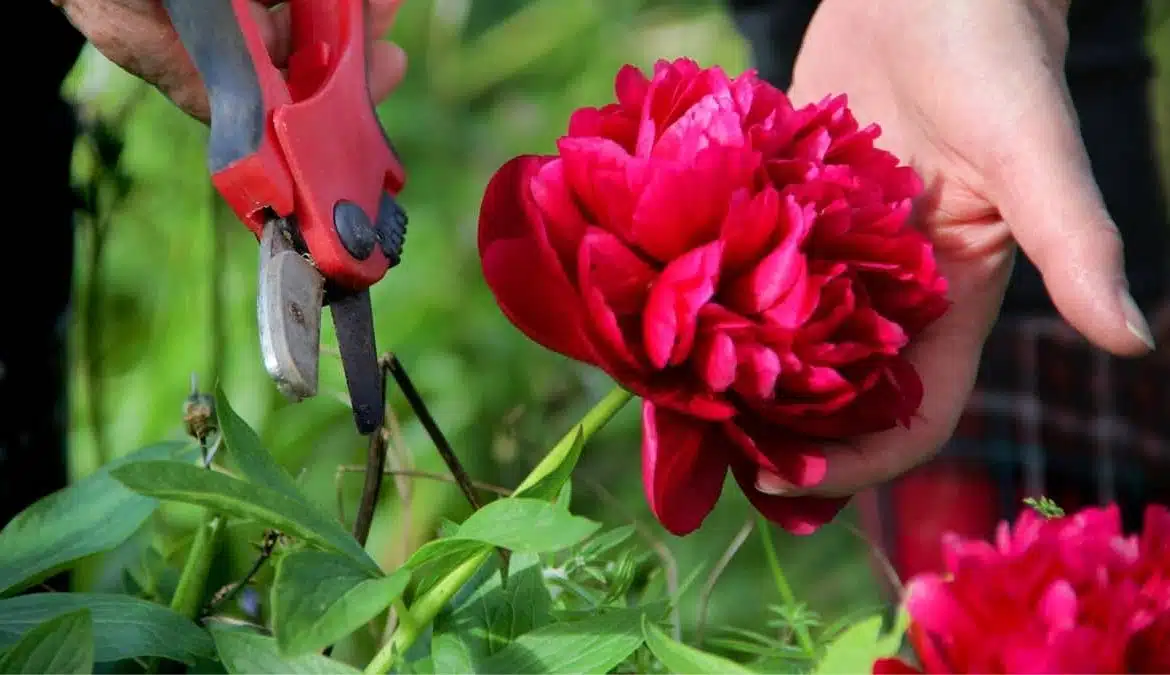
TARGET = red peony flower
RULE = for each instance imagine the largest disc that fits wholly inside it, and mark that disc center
(743, 266)
(1066, 595)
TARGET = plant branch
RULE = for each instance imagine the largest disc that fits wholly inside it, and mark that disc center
(419, 406)
(229, 592)
(398, 371)
(716, 572)
(429, 475)
(802, 634)
(372, 487)
(412, 621)
(192, 581)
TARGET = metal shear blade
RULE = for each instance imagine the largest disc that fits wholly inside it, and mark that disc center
(288, 310)
(290, 298)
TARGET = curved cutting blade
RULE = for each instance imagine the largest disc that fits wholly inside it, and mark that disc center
(353, 317)
(288, 311)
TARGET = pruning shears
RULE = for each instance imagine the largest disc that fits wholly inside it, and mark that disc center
(304, 163)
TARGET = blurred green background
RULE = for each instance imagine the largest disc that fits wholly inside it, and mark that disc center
(173, 294)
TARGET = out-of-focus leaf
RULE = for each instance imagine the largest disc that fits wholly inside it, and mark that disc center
(319, 598)
(193, 485)
(124, 627)
(63, 644)
(449, 654)
(248, 653)
(685, 659)
(91, 516)
(857, 647)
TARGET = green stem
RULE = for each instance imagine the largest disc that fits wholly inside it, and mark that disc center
(786, 594)
(189, 592)
(597, 417)
(411, 622)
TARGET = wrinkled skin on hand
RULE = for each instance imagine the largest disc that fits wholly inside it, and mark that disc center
(138, 36)
(972, 94)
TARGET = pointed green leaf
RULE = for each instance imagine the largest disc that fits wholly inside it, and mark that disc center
(593, 645)
(192, 485)
(63, 644)
(547, 479)
(857, 647)
(319, 598)
(526, 526)
(434, 559)
(93, 515)
(124, 627)
(685, 659)
(494, 615)
(247, 653)
(247, 453)
(450, 655)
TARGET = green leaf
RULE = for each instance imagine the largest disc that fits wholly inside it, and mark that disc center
(565, 496)
(319, 598)
(685, 659)
(434, 559)
(562, 459)
(494, 615)
(857, 647)
(592, 645)
(63, 644)
(193, 485)
(124, 627)
(93, 515)
(450, 654)
(249, 653)
(606, 542)
(526, 526)
(247, 453)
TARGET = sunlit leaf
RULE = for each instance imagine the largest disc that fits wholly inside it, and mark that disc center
(526, 526)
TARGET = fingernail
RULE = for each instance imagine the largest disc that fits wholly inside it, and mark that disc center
(1135, 321)
(771, 484)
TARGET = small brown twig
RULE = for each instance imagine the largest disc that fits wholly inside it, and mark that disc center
(418, 405)
(430, 475)
(372, 487)
(400, 459)
(398, 371)
(716, 572)
(230, 591)
(882, 559)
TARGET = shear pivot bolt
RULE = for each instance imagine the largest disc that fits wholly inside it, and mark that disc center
(354, 229)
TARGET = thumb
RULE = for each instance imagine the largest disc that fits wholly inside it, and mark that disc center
(1044, 188)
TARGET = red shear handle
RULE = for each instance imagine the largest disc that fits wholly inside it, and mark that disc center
(320, 124)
